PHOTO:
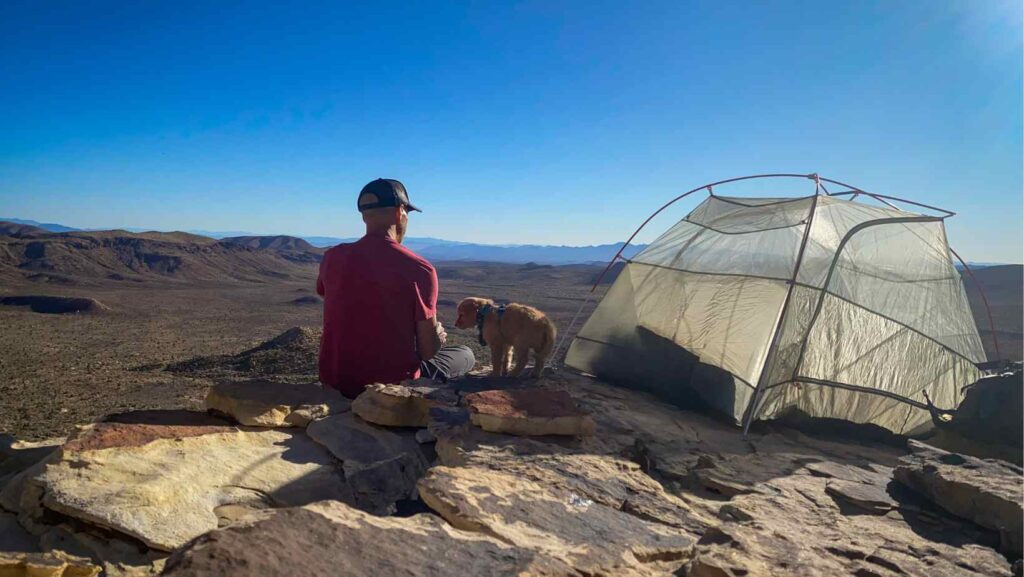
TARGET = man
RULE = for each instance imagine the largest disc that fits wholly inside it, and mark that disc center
(380, 304)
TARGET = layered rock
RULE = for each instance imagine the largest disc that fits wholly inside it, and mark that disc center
(45, 565)
(987, 492)
(654, 490)
(261, 403)
(533, 412)
(162, 483)
(594, 538)
(381, 466)
(403, 405)
(332, 539)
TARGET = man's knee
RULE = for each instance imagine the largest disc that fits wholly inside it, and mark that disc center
(463, 359)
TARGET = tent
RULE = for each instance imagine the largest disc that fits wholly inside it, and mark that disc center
(820, 304)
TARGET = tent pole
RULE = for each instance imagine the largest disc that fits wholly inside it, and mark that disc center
(984, 299)
(748, 415)
(688, 193)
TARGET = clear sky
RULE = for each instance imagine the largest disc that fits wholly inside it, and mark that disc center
(531, 122)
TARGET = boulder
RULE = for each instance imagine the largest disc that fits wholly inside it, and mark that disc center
(162, 483)
(531, 412)
(381, 466)
(985, 491)
(261, 403)
(592, 537)
(404, 405)
(329, 538)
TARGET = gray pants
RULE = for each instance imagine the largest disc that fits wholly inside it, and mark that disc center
(451, 362)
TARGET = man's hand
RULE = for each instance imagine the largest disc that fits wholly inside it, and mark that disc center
(441, 334)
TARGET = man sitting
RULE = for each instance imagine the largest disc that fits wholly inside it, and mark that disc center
(380, 304)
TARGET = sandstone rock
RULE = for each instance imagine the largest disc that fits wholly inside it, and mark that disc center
(119, 557)
(381, 466)
(261, 403)
(987, 492)
(329, 538)
(794, 527)
(528, 412)
(594, 538)
(611, 480)
(162, 483)
(45, 565)
(404, 405)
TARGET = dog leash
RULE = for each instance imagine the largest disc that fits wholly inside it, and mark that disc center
(481, 315)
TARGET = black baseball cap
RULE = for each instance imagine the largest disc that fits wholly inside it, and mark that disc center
(384, 192)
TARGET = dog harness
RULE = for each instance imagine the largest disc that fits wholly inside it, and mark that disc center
(482, 314)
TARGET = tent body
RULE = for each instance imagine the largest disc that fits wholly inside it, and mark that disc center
(817, 304)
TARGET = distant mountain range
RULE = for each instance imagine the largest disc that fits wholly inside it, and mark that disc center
(434, 249)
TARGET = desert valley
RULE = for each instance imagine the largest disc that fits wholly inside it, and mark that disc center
(142, 333)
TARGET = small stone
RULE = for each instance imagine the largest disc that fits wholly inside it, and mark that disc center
(404, 405)
(424, 436)
(529, 412)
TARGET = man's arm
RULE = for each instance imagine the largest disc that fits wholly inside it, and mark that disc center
(430, 335)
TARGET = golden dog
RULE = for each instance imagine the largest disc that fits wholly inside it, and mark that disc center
(515, 329)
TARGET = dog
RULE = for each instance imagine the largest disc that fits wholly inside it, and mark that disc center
(511, 328)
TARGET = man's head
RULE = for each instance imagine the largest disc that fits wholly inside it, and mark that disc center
(384, 204)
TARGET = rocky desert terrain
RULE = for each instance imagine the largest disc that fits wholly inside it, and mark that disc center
(162, 416)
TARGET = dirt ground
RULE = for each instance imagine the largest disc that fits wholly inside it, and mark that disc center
(59, 370)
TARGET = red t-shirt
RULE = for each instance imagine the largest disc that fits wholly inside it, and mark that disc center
(375, 290)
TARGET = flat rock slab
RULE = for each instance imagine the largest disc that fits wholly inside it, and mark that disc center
(590, 536)
(611, 480)
(873, 499)
(329, 538)
(529, 412)
(985, 491)
(261, 403)
(403, 405)
(162, 484)
(381, 465)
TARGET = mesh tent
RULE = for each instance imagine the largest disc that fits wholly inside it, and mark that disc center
(819, 304)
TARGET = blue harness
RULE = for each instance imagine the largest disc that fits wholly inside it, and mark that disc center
(481, 314)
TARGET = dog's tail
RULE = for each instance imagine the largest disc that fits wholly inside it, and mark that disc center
(550, 332)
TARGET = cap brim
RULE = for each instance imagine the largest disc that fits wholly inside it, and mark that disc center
(410, 207)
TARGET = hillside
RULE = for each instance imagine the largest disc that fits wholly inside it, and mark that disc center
(77, 256)
(1003, 287)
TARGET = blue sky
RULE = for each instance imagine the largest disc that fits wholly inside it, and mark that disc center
(533, 122)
